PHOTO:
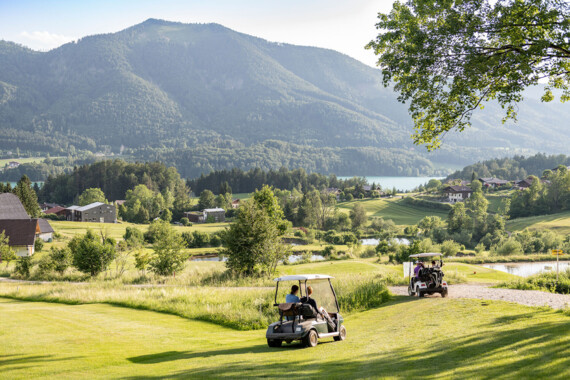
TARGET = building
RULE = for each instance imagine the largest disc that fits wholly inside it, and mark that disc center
(46, 206)
(13, 164)
(493, 182)
(95, 212)
(235, 203)
(46, 230)
(457, 193)
(57, 210)
(333, 191)
(524, 183)
(217, 215)
(21, 234)
(195, 217)
(11, 207)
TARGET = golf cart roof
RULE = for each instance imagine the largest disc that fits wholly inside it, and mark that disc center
(303, 277)
(427, 254)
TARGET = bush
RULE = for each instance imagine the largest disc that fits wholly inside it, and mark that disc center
(328, 251)
(46, 265)
(185, 221)
(369, 251)
(61, 258)
(133, 237)
(23, 266)
(450, 248)
(508, 247)
(156, 231)
(38, 245)
(168, 257)
(90, 255)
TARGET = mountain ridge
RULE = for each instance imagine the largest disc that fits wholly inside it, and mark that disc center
(167, 87)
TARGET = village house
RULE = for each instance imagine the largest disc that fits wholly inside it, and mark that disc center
(21, 234)
(95, 212)
(216, 215)
(235, 203)
(13, 164)
(46, 206)
(493, 182)
(457, 193)
(333, 191)
(46, 230)
(57, 210)
(11, 207)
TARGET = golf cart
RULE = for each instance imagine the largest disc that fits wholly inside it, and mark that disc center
(430, 279)
(300, 321)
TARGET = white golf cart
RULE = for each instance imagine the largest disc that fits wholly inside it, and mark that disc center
(302, 322)
(430, 277)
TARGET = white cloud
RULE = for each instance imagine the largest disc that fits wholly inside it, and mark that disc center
(44, 40)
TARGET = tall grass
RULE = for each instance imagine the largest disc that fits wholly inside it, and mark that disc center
(544, 281)
(241, 308)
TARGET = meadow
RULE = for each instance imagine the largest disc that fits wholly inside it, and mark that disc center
(559, 223)
(392, 208)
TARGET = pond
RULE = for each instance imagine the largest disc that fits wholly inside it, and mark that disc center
(528, 269)
(376, 241)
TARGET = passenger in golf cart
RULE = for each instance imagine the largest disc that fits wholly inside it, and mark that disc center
(305, 320)
(427, 280)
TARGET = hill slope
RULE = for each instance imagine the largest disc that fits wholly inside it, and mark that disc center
(167, 90)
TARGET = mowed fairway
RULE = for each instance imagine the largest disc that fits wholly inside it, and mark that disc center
(559, 223)
(394, 209)
(407, 338)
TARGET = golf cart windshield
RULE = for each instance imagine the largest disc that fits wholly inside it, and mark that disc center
(322, 293)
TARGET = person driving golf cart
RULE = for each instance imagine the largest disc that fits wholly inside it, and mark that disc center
(426, 279)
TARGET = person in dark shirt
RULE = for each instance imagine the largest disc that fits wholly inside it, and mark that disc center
(313, 303)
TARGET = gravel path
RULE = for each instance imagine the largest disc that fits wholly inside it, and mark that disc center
(484, 292)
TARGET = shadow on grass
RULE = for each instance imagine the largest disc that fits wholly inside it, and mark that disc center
(540, 351)
(24, 361)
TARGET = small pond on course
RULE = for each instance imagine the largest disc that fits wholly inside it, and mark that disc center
(529, 269)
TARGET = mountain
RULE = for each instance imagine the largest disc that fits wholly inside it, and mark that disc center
(203, 97)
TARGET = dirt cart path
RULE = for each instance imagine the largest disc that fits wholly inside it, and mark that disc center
(484, 292)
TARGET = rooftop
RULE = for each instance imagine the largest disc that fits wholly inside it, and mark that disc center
(11, 207)
(20, 231)
(304, 277)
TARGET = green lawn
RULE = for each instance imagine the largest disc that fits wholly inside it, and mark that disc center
(26, 160)
(406, 338)
(559, 223)
(393, 208)
(476, 273)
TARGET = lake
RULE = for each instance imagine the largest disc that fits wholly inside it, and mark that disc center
(529, 269)
(400, 183)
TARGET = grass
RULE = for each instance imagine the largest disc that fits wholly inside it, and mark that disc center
(468, 339)
(476, 273)
(544, 281)
(26, 160)
(392, 208)
(559, 223)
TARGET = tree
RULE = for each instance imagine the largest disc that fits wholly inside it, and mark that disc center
(92, 195)
(166, 215)
(23, 266)
(358, 216)
(225, 188)
(27, 196)
(7, 254)
(207, 200)
(91, 255)
(448, 57)
(168, 257)
(253, 242)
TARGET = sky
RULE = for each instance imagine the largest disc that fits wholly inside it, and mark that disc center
(346, 26)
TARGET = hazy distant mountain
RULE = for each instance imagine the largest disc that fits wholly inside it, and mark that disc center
(168, 90)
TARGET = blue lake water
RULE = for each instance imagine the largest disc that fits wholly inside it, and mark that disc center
(400, 183)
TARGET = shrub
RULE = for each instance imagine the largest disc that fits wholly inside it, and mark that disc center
(369, 251)
(90, 255)
(185, 221)
(23, 266)
(156, 231)
(508, 247)
(61, 258)
(38, 245)
(168, 256)
(450, 248)
(134, 237)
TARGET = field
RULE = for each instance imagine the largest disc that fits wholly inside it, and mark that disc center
(392, 208)
(27, 160)
(559, 223)
(468, 339)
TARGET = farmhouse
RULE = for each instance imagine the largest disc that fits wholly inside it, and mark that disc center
(46, 206)
(11, 207)
(95, 212)
(235, 203)
(493, 182)
(13, 164)
(457, 193)
(46, 230)
(57, 210)
(21, 234)
(216, 215)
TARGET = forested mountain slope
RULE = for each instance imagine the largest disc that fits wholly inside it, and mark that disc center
(203, 97)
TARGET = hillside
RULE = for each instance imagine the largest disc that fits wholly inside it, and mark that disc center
(203, 97)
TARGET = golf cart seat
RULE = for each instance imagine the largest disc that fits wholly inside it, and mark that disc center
(287, 309)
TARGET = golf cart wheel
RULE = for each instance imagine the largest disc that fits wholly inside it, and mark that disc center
(273, 342)
(421, 294)
(411, 293)
(311, 339)
(342, 335)
(444, 293)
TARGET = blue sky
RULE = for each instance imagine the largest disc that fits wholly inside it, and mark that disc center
(345, 26)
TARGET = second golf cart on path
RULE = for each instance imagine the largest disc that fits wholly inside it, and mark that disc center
(430, 279)
(302, 322)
